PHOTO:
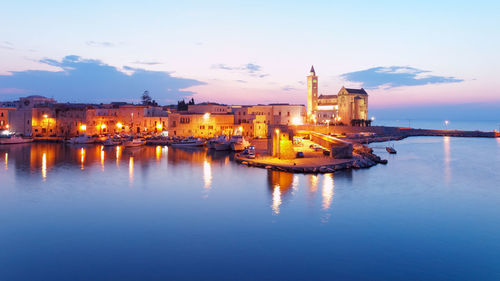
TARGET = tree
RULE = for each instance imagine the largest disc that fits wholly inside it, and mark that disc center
(181, 105)
(147, 100)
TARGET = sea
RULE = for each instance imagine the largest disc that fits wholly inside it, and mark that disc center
(88, 212)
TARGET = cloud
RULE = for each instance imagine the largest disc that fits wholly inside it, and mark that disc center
(86, 80)
(250, 69)
(100, 44)
(395, 76)
(147, 62)
(288, 88)
(6, 45)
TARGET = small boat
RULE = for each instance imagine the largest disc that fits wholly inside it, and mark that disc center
(82, 139)
(238, 143)
(222, 146)
(134, 142)
(8, 138)
(391, 150)
(212, 143)
(111, 142)
(190, 142)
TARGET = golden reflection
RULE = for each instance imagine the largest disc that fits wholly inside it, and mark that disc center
(44, 166)
(276, 199)
(118, 154)
(280, 183)
(82, 157)
(447, 159)
(102, 158)
(498, 141)
(158, 153)
(207, 174)
(295, 183)
(313, 183)
(328, 191)
(6, 161)
(131, 169)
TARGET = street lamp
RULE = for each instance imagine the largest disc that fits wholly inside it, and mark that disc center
(446, 124)
(278, 142)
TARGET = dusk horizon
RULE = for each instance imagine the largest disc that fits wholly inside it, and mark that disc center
(249, 140)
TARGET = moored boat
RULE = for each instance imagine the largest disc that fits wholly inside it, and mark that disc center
(190, 142)
(134, 142)
(7, 138)
(238, 143)
(82, 139)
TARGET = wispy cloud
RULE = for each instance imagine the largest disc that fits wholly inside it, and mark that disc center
(147, 62)
(87, 80)
(6, 45)
(250, 69)
(396, 76)
(288, 88)
(100, 44)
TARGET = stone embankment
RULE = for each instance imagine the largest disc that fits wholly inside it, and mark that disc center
(363, 157)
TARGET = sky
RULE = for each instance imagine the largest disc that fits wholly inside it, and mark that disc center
(406, 54)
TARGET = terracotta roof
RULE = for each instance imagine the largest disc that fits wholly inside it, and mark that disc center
(312, 69)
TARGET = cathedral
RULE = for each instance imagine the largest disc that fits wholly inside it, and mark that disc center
(348, 106)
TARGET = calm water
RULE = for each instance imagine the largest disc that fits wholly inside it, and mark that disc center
(486, 126)
(158, 213)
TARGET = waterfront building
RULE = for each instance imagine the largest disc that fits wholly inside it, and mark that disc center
(208, 107)
(4, 117)
(353, 106)
(206, 125)
(20, 120)
(349, 106)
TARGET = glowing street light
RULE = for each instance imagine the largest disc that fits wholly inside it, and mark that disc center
(83, 127)
(206, 116)
(446, 124)
(119, 125)
(45, 116)
(103, 126)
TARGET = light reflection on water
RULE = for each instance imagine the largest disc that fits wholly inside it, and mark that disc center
(447, 159)
(58, 200)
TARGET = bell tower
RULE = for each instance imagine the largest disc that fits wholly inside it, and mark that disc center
(312, 94)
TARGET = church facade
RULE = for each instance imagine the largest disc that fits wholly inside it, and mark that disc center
(348, 106)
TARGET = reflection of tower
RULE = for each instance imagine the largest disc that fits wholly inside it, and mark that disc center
(312, 94)
(279, 184)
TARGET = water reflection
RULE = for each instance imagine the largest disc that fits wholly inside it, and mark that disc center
(158, 153)
(131, 169)
(313, 183)
(328, 191)
(44, 166)
(447, 170)
(82, 158)
(6, 161)
(207, 174)
(280, 184)
(102, 158)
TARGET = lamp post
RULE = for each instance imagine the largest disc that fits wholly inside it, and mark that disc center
(278, 142)
(446, 124)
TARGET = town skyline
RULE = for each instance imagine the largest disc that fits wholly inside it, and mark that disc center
(222, 53)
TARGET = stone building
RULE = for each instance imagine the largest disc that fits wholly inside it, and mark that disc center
(349, 106)
(353, 106)
(206, 125)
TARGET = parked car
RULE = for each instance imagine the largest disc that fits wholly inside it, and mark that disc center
(299, 154)
(326, 152)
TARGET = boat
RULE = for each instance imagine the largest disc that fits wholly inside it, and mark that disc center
(222, 146)
(158, 140)
(212, 143)
(238, 143)
(391, 150)
(8, 138)
(111, 142)
(134, 142)
(190, 142)
(81, 139)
